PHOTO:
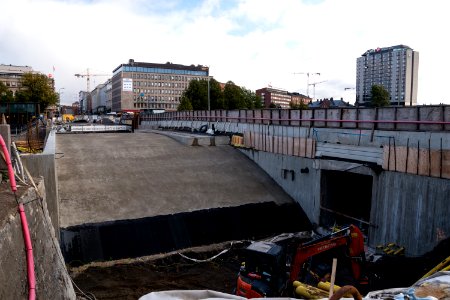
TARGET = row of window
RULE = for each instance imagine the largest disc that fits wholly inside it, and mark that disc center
(171, 92)
(163, 84)
(159, 105)
(160, 71)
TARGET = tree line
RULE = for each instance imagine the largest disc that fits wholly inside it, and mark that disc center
(195, 97)
(34, 88)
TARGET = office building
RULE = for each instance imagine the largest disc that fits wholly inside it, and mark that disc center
(277, 97)
(138, 86)
(395, 68)
(11, 76)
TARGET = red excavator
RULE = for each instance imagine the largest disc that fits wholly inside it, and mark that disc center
(269, 270)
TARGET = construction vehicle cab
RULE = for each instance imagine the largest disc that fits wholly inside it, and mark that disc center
(263, 273)
(266, 272)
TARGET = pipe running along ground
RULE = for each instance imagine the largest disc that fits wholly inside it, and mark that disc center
(25, 230)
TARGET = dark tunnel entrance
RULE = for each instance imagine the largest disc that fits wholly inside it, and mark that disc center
(346, 198)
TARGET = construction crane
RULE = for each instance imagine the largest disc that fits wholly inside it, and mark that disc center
(350, 88)
(88, 78)
(314, 88)
(307, 81)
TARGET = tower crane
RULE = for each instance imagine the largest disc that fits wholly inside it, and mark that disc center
(307, 81)
(88, 78)
(314, 88)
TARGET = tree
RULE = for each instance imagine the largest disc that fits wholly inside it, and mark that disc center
(36, 88)
(6, 95)
(215, 94)
(300, 105)
(380, 96)
(185, 104)
(233, 96)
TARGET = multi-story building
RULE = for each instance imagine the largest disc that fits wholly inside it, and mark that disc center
(11, 76)
(297, 98)
(99, 97)
(395, 68)
(278, 97)
(139, 86)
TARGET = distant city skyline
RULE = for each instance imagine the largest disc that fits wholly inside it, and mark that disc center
(253, 43)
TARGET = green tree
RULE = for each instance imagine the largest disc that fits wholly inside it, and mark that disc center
(36, 88)
(215, 94)
(300, 105)
(185, 104)
(380, 96)
(233, 96)
(5, 94)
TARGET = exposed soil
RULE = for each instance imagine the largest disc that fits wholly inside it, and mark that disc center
(131, 279)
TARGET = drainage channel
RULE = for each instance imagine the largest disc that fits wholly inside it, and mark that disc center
(146, 236)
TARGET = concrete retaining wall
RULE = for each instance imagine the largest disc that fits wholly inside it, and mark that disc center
(409, 210)
(52, 279)
(44, 164)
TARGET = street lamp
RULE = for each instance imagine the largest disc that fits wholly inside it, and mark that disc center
(59, 100)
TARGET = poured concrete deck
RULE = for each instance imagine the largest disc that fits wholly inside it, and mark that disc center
(118, 176)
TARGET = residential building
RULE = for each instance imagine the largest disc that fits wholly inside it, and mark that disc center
(278, 97)
(138, 86)
(297, 98)
(395, 68)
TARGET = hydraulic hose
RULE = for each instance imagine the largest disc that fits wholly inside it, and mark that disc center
(25, 230)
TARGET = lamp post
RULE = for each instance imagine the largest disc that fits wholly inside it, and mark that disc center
(209, 101)
(59, 101)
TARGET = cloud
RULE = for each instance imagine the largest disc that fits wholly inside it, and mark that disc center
(251, 42)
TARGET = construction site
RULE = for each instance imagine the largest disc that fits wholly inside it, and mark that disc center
(233, 203)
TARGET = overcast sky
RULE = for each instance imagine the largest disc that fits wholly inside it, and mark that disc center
(254, 43)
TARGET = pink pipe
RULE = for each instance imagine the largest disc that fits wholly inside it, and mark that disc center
(23, 219)
(308, 120)
(12, 179)
(29, 250)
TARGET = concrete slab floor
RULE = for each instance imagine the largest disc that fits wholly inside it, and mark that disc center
(116, 176)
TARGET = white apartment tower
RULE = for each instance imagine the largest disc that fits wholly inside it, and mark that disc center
(395, 68)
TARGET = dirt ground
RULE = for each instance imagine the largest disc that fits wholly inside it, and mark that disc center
(131, 279)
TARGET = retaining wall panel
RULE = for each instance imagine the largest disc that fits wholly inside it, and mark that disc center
(436, 113)
(349, 114)
(386, 114)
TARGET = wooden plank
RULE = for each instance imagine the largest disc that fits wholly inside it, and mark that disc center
(296, 146)
(412, 161)
(446, 164)
(424, 162)
(435, 163)
(401, 162)
(302, 147)
(386, 150)
(290, 146)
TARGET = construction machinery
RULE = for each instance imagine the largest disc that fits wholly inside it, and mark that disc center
(314, 87)
(270, 270)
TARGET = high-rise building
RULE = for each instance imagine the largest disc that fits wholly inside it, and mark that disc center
(395, 68)
(138, 86)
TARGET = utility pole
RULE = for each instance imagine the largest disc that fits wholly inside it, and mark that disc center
(307, 80)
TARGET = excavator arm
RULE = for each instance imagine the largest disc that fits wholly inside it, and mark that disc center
(351, 237)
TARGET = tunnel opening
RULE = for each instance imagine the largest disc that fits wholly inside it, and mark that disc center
(346, 198)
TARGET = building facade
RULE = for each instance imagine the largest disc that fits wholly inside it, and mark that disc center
(277, 97)
(395, 68)
(138, 86)
(11, 76)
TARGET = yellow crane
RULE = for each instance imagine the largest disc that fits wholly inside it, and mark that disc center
(88, 78)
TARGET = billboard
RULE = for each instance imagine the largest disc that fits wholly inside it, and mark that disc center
(127, 84)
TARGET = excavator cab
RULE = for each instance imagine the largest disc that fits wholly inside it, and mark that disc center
(263, 271)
